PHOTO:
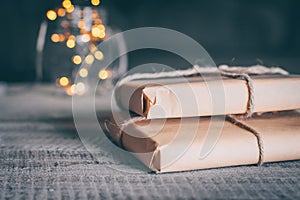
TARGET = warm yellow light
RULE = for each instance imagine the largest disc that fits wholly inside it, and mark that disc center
(101, 27)
(70, 43)
(73, 88)
(72, 37)
(64, 81)
(55, 37)
(51, 15)
(102, 34)
(93, 48)
(77, 59)
(68, 90)
(70, 9)
(89, 59)
(66, 4)
(61, 12)
(83, 72)
(103, 74)
(99, 55)
(96, 31)
(61, 37)
(95, 2)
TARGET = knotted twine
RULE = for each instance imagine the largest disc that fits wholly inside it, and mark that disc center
(242, 73)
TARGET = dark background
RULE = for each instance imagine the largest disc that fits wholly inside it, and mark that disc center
(233, 32)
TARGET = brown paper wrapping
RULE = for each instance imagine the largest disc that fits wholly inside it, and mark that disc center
(178, 97)
(235, 146)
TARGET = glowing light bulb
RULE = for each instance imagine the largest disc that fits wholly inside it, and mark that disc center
(66, 4)
(95, 31)
(51, 15)
(73, 88)
(103, 74)
(83, 72)
(55, 37)
(99, 55)
(64, 81)
(101, 27)
(70, 43)
(102, 34)
(89, 59)
(70, 9)
(72, 37)
(95, 2)
(76, 59)
(61, 37)
(61, 12)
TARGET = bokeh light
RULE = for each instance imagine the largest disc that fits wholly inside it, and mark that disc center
(95, 2)
(61, 12)
(61, 37)
(64, 81)
(89, 59)
(55, 37)
(70, 9)
(99, 55)
(76, 59)
(73, 88)
(83, 72)
(103, 74)
(51, 15)
(66, 4)
(102, 34)
(71, 42)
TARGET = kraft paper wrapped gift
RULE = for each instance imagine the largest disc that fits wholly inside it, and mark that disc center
(169, 145)
(165, 98)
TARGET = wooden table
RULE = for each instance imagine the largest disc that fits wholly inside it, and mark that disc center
(41, 156)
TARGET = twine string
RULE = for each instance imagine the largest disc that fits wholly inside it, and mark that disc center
(258, 136)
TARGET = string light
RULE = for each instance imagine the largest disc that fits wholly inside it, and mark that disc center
(87, 39)
(89, 59)
(95, 2)
(70, 43)
(73, 88)
(99, 55)
(101, 27)
(102, 34)
(70, 9)
(61, 12)
(51, 15)
(61, 38)
(83, 72)
(66, 4)
(76, 59)
(103, 74)
(55, 37)
(96, 31)
(64, 81)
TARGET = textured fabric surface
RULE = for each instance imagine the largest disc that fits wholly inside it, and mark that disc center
(41, 156)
